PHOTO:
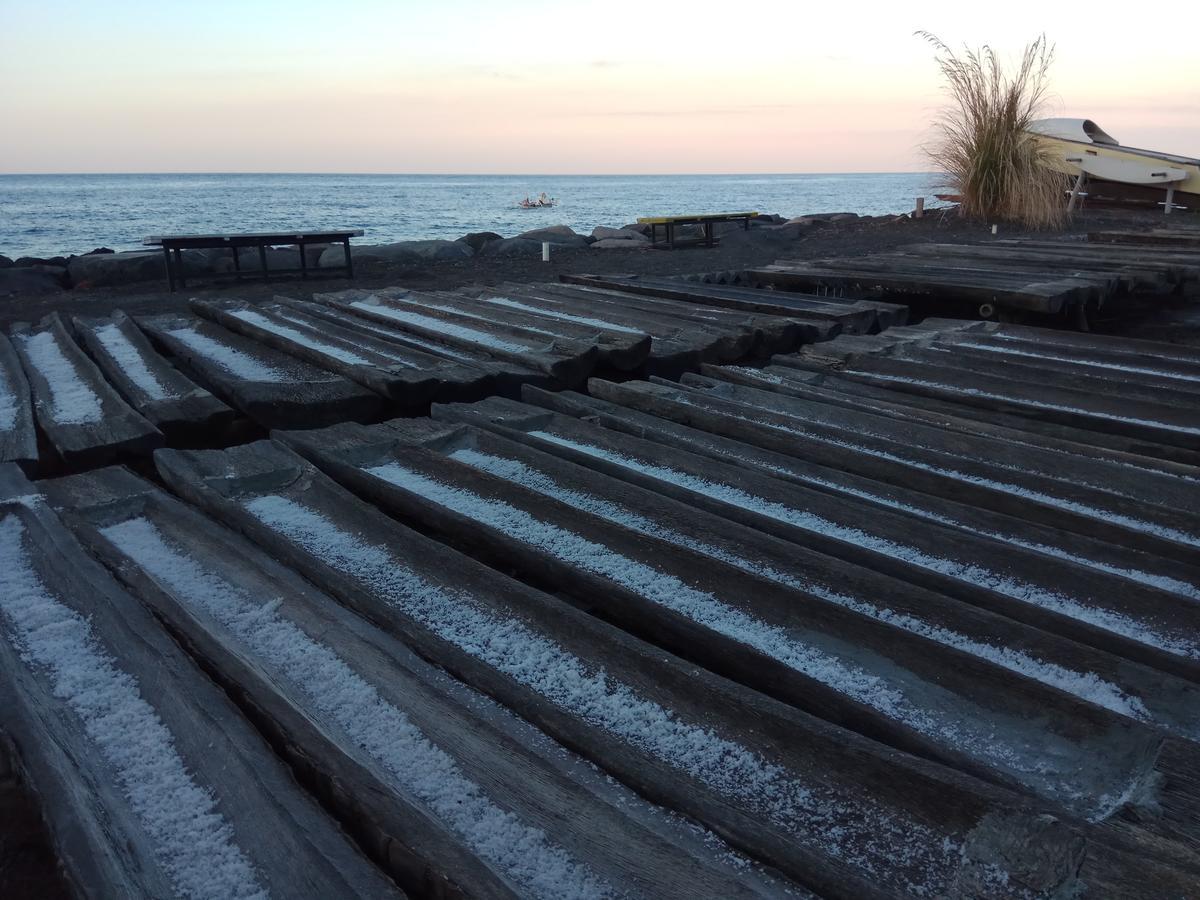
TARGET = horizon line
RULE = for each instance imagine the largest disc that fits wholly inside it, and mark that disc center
(475, 174)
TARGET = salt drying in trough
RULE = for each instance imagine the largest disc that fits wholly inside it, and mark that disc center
(83, 418)
(753, 583)
(157, 390)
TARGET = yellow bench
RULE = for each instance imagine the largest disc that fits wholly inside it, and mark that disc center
(705, 220)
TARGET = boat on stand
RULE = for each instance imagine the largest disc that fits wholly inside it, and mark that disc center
(1111, 171)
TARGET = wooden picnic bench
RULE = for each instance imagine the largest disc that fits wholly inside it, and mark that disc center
(173, 246)
(704, 220)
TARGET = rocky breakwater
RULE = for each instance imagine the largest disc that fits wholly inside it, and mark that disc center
(102, 267)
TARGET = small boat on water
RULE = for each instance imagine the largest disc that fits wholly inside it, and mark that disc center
(1081, 148)
(541, 202)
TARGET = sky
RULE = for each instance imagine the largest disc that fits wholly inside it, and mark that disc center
(557, 87)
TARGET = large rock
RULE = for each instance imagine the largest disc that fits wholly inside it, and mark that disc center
(25, 261)
(720, 229)
(31, 281)
(248, 259)
(621, 244)
(769, 235)
(476, 239)
(97, 270)
(813, 218)
(512, 247)
(5, 262)
(555, 234)
(604, 233)
(401, 252)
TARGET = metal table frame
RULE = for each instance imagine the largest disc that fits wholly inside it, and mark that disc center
(704, 221)
(173, 246)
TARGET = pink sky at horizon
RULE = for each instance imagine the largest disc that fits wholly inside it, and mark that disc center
(534, 86)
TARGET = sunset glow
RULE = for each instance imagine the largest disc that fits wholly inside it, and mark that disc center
(538, 86)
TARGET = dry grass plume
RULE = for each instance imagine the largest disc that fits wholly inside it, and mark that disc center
(983, 146)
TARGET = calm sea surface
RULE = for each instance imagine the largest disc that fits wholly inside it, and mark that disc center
(45, 215)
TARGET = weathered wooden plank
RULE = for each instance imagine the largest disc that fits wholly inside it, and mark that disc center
(1144, 274)
(758, 772)
(1080, 283)
(1156, 374)
(1143, 454)
(624, 349)
(1179, 480)
(1068, 598)
(1160, 236)
(1055, 472)
(18, 440)
(271, 387)
(445, 789)
(567, 361)
(990, 351)
(1154, 422)
(116, 729)
(1130, 253)
(1134, 387)
(1070, 287)
(1158, 355)
(784, 640)
(84, 419)
(156, 389)
(854, 318)
(1043, 297)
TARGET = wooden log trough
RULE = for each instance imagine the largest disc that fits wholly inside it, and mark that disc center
(180, 409)
(470, 373)
(1136, 621)
(678, 344)
(1021, 530)
(820, 656)
(837, 812)
(825, 370)
(763, 331)
(937, 616)
(854, 316)
(620, 349)
(18, 439)
(268, 386)
(568, 361)
(115, 729)
(84, 420)
(410, 379)
(1103, 500)
(445, 790)
(1164, 429)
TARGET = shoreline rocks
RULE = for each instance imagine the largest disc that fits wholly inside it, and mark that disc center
(102, 267)
(400, 251)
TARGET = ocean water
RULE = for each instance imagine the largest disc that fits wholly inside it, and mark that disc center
(46, 215)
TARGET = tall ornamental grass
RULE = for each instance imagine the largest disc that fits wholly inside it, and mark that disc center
(983, 145)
